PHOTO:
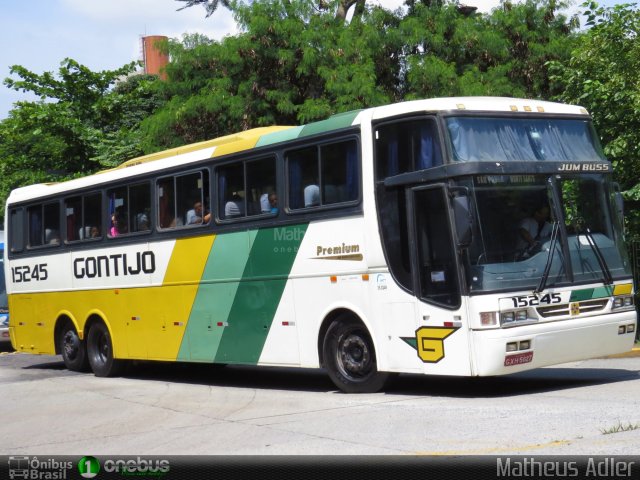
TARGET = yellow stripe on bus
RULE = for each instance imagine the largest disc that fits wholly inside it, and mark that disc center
(624, 289)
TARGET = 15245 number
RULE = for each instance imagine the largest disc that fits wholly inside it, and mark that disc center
(28, 273)
(534, 300)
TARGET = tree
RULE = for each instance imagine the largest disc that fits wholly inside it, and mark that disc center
(602, 76)
(296, 62)
(79, 124)
(290, 65)
(449, 51)
(341, 7)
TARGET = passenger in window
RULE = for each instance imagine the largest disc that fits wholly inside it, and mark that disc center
(311, 195)
(95, 232)
(51, 236)
(234, 207)
(269, 203)
(113, 231)
(118, 223)
(197, 214)
(142, 222)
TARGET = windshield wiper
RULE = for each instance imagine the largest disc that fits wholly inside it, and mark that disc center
(608, 279)
(547, 268)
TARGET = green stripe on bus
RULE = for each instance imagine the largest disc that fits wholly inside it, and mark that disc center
(335, 122)
(591, 293)
(277, 137)
(220, 280)
(266, 273)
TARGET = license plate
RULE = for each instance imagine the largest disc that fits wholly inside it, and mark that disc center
(518, 359)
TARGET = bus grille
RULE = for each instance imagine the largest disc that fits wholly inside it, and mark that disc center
(587, 306)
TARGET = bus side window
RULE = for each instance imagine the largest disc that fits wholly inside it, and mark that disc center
(118, 211)
(139, 207)
(166, 203)
(406, 146)
(304, 178)
(44, 224)
(17, 230)
(73, 215)
(261, 190)
(190, 198)
(339, 169)
(323, 175)
(34, 226)
(231, 194)
(92, 220)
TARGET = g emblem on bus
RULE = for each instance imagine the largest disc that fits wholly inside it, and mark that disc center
(429, 342)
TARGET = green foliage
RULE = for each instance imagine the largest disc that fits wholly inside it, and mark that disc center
(602, 75)
(297, 62)
(292, 63)
(80, 123)
(501, 54)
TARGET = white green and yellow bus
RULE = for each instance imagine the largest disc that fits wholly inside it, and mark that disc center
(376, 242)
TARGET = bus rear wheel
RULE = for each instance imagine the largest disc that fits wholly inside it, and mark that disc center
(73, 350)
(100, 352)
(350, 359)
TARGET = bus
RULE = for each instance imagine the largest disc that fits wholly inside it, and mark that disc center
(376, 242)
(4, 309)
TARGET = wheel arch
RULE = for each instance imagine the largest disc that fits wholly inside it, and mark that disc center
(97, 316)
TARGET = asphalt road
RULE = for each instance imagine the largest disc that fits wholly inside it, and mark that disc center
(590, 407)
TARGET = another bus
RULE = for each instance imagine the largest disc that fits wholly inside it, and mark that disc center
(4, 308)
(376, 242)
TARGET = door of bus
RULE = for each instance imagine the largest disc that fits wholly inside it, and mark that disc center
(442, 334)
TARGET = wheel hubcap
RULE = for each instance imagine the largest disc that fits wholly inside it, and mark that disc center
(354, 358)
(70, 345)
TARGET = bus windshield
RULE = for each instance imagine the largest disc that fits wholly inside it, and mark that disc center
(515, 224)
(502, 139)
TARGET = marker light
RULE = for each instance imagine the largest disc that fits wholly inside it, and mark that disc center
(488, 319)
(512, 346)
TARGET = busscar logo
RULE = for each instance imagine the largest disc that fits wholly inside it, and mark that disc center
(88, 467)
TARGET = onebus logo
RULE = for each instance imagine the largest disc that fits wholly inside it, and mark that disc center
(137, 466)
(118, 264)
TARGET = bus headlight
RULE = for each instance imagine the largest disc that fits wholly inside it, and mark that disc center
(507, 317)
(515, 317)
(624, 301)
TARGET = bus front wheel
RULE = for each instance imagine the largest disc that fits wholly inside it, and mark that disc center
(73, 350)
(350, 359)
(100, 352)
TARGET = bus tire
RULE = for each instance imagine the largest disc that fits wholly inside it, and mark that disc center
(100, 352)
(73, 350)
(350, 358)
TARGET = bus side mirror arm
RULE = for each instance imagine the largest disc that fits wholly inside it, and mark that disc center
(462, 216)
(618, 200)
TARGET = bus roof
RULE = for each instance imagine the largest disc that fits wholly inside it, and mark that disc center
(263, 136)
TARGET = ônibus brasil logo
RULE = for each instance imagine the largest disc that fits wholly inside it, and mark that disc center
(88, 466)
